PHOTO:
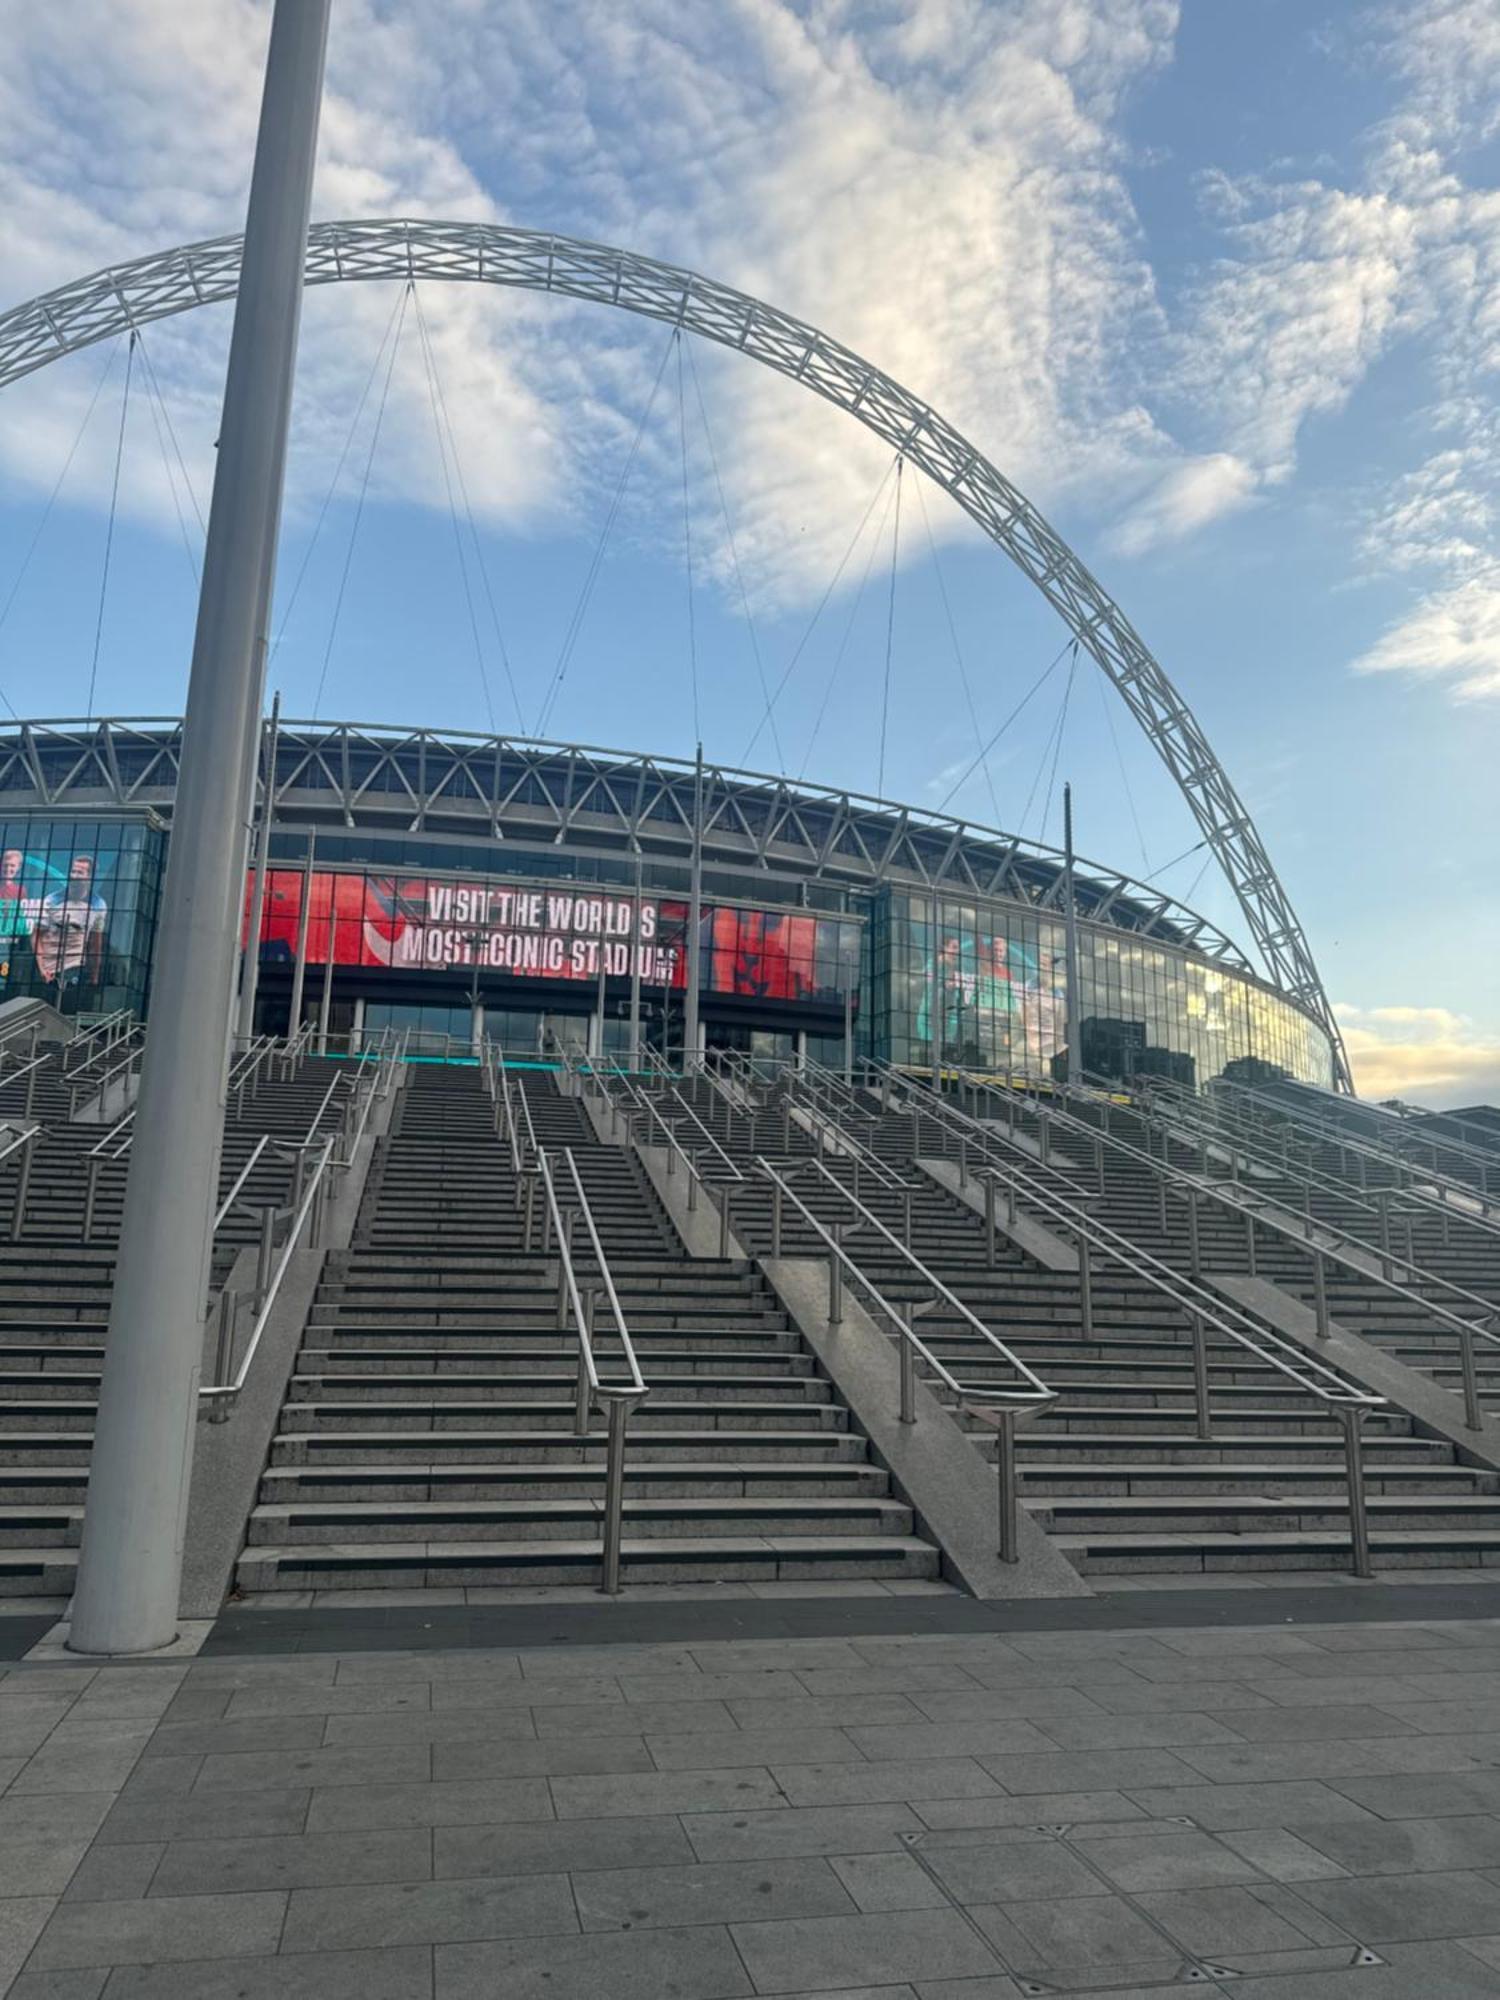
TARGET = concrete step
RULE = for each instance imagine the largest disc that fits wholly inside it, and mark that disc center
(672, 1559)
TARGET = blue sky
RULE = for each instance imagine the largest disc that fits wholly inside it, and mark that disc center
(1217, 284)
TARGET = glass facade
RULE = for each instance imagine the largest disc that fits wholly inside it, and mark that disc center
(999, 992)
(78, 904)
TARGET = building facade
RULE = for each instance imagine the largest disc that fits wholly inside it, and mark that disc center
(439, 881)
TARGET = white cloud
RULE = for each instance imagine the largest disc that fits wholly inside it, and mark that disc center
(1424, 1055)
(1185, 499)
(941, 187)
(1452, 635)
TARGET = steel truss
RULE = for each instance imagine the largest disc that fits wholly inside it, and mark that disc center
(173, 281)
(519, 791)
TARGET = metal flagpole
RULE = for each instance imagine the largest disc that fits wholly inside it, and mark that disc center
(935, 997)
(695, 925)
(130, 1564)
(599, 1002)
(250, 969)
(304, 915)
(635, 974)
(1070, 936)
(325, 998)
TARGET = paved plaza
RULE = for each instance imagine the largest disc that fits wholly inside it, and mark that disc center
(1281, 1811)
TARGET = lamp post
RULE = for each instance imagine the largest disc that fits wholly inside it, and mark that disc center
(130, 1564)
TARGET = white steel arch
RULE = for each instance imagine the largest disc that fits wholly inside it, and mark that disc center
(173, 281)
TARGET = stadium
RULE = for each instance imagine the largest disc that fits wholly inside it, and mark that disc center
(463, 887)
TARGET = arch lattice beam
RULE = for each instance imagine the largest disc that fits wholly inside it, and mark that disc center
(173, 281)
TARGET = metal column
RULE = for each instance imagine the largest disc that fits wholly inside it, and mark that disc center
(635, 974)
(250, 970)
(1070, 945)
(304, 917)
(695, 925)
(130, 1566)
(934, 999)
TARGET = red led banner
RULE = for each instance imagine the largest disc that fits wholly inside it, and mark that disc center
(413, 924)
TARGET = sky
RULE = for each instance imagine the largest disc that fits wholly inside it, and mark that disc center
(1217, 284)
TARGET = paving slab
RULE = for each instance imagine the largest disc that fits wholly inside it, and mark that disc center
(403, 1973)
(821, 1954)
(876, 1827)
(1397, 1908)
(722, 1892)
(149, 1930)
(699, 1963)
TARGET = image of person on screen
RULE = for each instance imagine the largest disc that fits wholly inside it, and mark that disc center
(69, 937)
(15, 916)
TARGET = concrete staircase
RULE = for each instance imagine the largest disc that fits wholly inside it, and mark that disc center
(427, 1438)
(54, 1311)
(1115, 1470)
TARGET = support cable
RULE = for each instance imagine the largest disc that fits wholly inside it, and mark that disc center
(1047, 745)
(687, 541)
(591, 576)
(158, 412)
(1062, 730)
(397, 308)
(20, 577)
(424, 342)
(890, 630)
(1166, 865)
(109, 532)
(822, 605)
(1042, 678)
(166, 417)
(838, 659)
(463, 489)
(734, 556)
(359, 506)
(1109, 723)
(963, 671)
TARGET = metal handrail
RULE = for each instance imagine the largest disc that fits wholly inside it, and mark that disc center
(1006, 1404)
(615, 1399)
(220, 1395)
(244, 1174)
(1348, 1403)
(22, 1139)
(96, 1085)
(108, 1027)
(1428, 1190)
(1322, 1239)
(923, 1103)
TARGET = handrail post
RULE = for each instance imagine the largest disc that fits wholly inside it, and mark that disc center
(614, 1498)
(1005, 1472)
(725, 1195)
(564, 1258)
(694, 1176)
(585, 1348)
(1320, 1292)
(1250, 1244)
(265, 1253)
(776, 1219)
(1085, 1286)
(1195, 1246)
(908, 1360)
(1203, 1410)
(836, 1278)
(1473, 1413)
(990, 1253)
(229, 1302)
(906, 1217)
(23, 1187)
(91, 1196)
(1352, 1417)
